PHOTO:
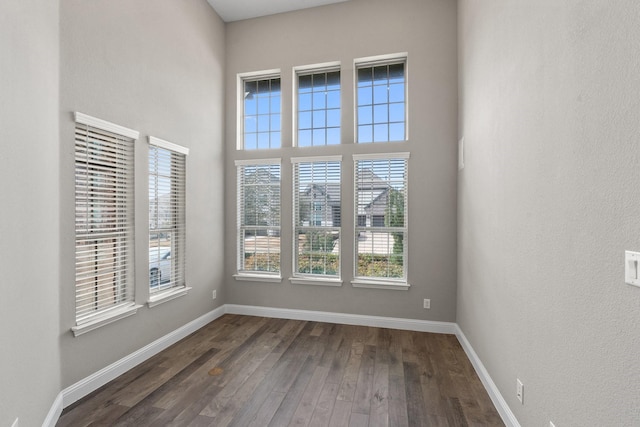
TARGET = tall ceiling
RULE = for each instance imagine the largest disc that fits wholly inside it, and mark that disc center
(236, 10)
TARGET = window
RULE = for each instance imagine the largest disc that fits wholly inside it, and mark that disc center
(259, 218)
(167, 170)
(261, 112)
(381, 93)
(317, 217)
(104, 212)
(381, 216)
(318, 108)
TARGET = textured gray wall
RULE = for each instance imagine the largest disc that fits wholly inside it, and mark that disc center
(426, 29)
(155, 66)
(549, 201)
(29, 310)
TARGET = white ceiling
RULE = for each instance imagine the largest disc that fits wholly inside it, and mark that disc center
(236, 10)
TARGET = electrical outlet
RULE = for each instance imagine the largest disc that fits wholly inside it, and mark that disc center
(15, 423)
(551, 424)
(520, 391)
(214, 294)
(427, 303)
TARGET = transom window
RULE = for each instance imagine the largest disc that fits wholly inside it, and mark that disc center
(317, 210)
(261, 113)
(381, 216)
(318, 108)
(381, 106)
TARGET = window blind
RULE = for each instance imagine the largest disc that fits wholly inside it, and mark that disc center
(259, 218)
(381, 204)
(167, 225)
(317, 216)
(104, 218)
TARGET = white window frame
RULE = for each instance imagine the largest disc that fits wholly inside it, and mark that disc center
(255, 275)
(305, 70)
(247, 77)
(177, 205)
(310, 278)
(379, 60)
(381, 282)
(116, 159)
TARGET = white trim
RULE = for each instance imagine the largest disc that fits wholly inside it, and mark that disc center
(380, 284)
(54, 413)
(317, 281)
(163, 297)
(503, 409)
(380, 59)
(257, 278)
(91, 383)
(312, 159)
(251, 162)
(106, 318)
(168, 145)
(324, 67)
(344, 318)
(381, 156)
(258, 75)
(105, 125)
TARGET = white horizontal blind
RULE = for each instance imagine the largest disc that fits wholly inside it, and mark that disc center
(317, 215)
(167, 229)
(259, 218)
(381, 218)
(104, 211)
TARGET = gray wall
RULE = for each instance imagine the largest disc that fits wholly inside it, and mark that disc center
(549, 201)
(426, 29)
(155, 66)
(29, 306)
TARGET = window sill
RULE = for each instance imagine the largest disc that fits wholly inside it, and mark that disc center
(165, 296)
(380, 284)
(105, 319)
(315, 281)
(257, 278)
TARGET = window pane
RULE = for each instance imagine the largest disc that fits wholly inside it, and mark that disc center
(381, 100)
(314, 102)
(380, 208)
(317, 218)
(259, 218)
(262, 105)
(319, 119)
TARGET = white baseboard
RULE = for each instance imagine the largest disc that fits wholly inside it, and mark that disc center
(91, 383)
(344, 318)
(54, 413)
(503, 409)
(103, 376)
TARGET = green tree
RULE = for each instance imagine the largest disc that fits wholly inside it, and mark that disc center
(394, 217)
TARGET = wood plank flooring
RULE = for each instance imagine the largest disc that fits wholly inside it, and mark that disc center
(254, 371)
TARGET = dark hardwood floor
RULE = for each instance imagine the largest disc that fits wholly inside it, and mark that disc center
(254, 371)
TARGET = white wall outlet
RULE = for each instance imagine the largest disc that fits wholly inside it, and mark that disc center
(631, 267)
(214, 294)
(427, 303)
(16, 423)
(520, 391)
(551, 424)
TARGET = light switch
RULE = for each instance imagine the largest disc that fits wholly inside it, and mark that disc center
(631, 268)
